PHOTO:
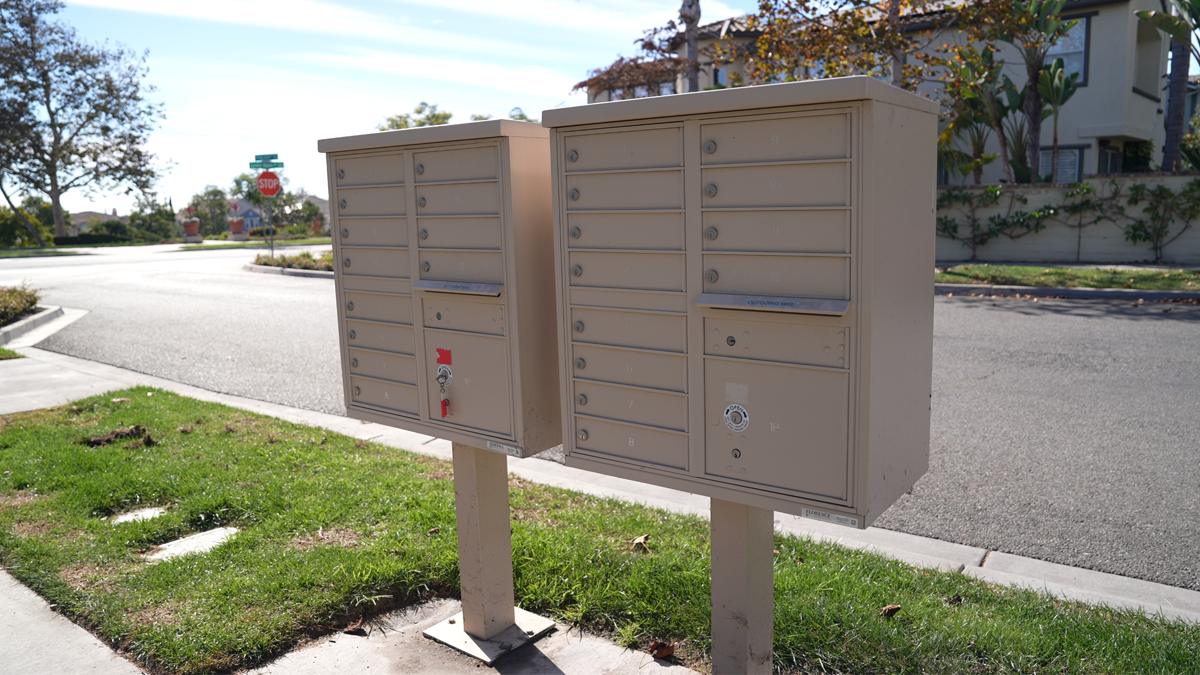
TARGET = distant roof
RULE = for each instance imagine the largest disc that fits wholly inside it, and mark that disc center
(738, 26)
(83, 217)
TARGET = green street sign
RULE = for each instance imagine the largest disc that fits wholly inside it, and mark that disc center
(261, 158)
(266, 165)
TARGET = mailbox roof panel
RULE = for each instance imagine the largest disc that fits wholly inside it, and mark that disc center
(831, 90)
(445, 132)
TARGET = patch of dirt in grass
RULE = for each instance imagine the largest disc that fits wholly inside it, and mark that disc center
(135, 431)
(87, 577)
(338, 536)
(30, 529)
(17, 499)
(156, 615)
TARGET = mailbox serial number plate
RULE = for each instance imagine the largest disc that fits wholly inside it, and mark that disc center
(830, 517)
(506, 449)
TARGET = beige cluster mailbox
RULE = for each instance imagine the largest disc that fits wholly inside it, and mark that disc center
(744, 292)
(445, 284)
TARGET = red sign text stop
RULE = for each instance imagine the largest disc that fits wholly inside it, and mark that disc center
(268, 184)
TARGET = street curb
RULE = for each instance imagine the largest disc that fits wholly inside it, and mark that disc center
(287, 271)
(1127, 294)
(13, 331)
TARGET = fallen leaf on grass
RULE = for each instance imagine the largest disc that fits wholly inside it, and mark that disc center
(433, 531)
(186, 429)
(229, 428)
(955, 599)
(116, 434)
(640, 541)
(661, 650)
(121, 400)
(355, 628)
(889, 611)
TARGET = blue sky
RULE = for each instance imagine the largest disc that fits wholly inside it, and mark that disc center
(246, 77)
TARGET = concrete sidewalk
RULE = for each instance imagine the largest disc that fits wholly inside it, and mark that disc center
(45, 379)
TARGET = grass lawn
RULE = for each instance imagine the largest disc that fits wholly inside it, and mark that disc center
(32, 252)
(1071, 277)
(6, 354)
(334, 528)
(259, 244)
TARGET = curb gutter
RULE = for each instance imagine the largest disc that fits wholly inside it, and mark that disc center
(287, 271)
(1127, 294)
(13, 331)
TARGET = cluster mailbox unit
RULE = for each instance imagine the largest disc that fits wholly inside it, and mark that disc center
(445, 285)
(744, 292)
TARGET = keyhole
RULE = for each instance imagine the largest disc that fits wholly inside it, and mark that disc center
(730, 341)
(439, 317)
(737, 453)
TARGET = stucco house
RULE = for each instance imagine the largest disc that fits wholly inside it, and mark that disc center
(1122, 66)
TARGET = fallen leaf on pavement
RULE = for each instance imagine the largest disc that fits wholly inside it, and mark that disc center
(640, 541)
(889, 611)
(661, 650)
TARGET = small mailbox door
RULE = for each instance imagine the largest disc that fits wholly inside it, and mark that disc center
(477, 387)
(779, 426)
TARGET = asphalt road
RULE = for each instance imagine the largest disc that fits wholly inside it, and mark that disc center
(1062, 430)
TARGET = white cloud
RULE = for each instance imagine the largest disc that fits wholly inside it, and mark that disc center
(567, 16)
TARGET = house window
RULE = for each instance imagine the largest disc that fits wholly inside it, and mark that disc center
(617, 94)
(1070, 161)
(1072, 48)
(641, 92)
(718, 78)
(1109, 160)
(1149, 62)
(666, 89)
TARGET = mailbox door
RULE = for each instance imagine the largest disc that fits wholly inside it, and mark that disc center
(478, 387)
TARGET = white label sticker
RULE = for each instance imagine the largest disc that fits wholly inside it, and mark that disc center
(736, 418)
(829, 517)
(506, 449)
(737, 393)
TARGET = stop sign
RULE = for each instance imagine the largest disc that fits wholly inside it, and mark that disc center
(268, 184)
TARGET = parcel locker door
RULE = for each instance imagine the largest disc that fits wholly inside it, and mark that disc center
(777, 426)
(475, 371)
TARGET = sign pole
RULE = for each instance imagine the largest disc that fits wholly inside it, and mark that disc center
(270, 232)
(743, 588)
(269, 185)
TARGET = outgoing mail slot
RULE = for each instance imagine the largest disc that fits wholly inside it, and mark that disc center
(778, 139)
(623, 191)
(641, 149)
(631, 404)
(778, 275)
(642, 271)
(791, 231)
(780, 426)
(459, 164)
(378, 307)
(634, 442)
(786, 185)
(375, 262)
(376, 284)
(383, 336)
(468, 266)
(391, 396)
(379, 201)
(383, 366)
(373, 170)
(459, 233)
(647, 231)
(458, 199)
(477, 386)
(373, 232)
(629, 366)
(778, 340)
(644, 330)
(441, 310)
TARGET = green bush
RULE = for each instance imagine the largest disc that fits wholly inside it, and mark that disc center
(1137, 156)
(281, 233)
(300, 261)
(90, 239)
(16, 301)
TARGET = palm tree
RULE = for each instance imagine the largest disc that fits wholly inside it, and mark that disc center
(1056, 88)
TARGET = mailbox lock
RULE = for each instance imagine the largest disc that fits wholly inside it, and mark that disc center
(711, 276)
(349, 306)
(425, 266)
(577, 271)
(582, 399)
(580, 364)
(574, 194)
(711, 233)
(439, 316)
(710, 190)
(341, 173)
(345, 233)
(424, 234)
(578, 326)
(710, 147)
(342, 203)
(353, 363)
(573, 156)
(357, 391)
(576, 233)
(731, 341)
(346, 262)
(420, 169)
(421, 202)
(583, 434)
(353, 335)
(737, 453)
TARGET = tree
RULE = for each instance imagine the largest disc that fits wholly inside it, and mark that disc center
(212, 208)
(520, 116)
(972, 79)
(1181, 27)
(153, 220)
(689, 14)
(1056, 88)
(15, 224)
(424, 115)
(88, 118)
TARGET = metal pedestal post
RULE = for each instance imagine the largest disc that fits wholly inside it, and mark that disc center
(489, 625)
(743, 591)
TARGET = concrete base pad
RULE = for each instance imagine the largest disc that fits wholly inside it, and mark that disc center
(193, 239)
(528, 628)
(238, 237)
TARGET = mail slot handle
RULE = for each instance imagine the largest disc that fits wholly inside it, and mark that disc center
(769, 303)
(460, 287)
